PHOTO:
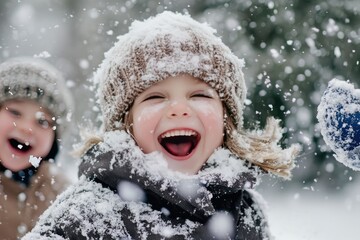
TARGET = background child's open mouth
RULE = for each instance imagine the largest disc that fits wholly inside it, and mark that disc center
(19, 146)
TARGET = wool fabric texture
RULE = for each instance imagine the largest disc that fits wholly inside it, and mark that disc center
(35, 79)
(167, 45)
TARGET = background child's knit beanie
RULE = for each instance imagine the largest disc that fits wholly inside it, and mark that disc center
(167, 45)
(36, 79)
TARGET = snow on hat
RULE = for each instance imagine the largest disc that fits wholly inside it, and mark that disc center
(36, 79)
(167, 45)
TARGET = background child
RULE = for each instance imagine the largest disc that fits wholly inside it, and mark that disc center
(33, 104)
(174, 160)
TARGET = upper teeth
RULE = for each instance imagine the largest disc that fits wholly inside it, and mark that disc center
(179, 133)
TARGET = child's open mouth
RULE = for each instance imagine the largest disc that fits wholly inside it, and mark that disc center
(19, 146)
(179, 143)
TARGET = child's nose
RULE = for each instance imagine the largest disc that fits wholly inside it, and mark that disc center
(179, 109)
(24, 126)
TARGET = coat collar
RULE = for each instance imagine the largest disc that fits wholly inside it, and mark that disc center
(118, 159)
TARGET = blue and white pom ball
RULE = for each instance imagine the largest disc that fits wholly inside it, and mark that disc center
(339, 118)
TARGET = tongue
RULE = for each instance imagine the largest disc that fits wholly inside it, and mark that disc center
(178, 149)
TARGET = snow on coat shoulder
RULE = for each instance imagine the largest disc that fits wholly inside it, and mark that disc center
(339, 118)
(87, 210)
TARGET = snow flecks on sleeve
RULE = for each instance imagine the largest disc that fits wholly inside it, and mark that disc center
(39, 236)
(339, 121)
(168, 231)
(87, 210)
(253, 216)
(226, 169)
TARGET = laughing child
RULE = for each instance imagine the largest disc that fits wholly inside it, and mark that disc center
(33, 101)
(173, 160)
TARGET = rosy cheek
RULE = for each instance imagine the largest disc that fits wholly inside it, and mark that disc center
(211, 113)
(148, 116)
(215, 122)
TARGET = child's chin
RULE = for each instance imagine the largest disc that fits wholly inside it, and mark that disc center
(20, 164)
(187, 167)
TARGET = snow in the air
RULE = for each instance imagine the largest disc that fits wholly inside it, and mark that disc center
(287, 75)
(35, 161)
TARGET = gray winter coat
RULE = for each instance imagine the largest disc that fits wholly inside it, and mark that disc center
(125, 194)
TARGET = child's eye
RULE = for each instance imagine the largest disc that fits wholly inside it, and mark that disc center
(152, 97)
(44, 123)
(13, 112)
(201, 95)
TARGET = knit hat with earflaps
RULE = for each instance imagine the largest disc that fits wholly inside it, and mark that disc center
(166, 45)
(35, 79)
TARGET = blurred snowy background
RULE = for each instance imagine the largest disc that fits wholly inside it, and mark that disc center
(292, 48)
